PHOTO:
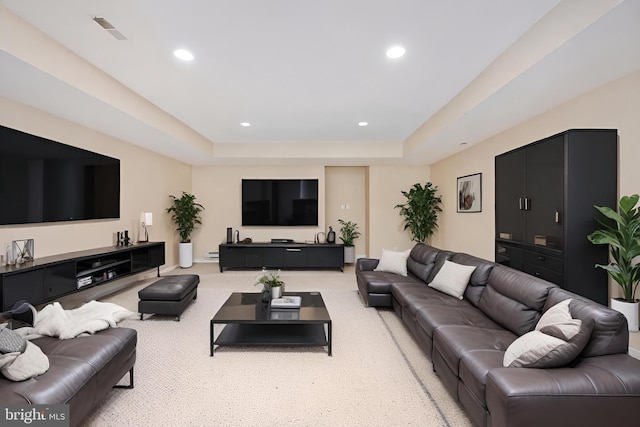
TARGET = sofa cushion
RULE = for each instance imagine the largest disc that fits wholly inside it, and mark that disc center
(412, 296)
(422, 260)
(474, 368)
(453, 342)
(610, 334)
(479, 278)
(435, 316)
(452, 279)
(393, 262)
(514, 299)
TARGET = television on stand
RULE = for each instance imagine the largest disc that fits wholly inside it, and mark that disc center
(279, 202)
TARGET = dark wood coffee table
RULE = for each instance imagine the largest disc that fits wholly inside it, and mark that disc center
(249, 322)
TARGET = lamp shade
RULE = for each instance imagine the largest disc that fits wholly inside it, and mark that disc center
(146, 218)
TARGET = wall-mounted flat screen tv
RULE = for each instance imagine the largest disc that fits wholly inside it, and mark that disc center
(47, 181)
(279, 202)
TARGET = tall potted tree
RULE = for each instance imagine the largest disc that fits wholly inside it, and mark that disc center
(621, 231)
(420, 211)
(348, 233)
(185, 213)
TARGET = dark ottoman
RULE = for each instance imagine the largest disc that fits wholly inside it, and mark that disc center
(169, 295)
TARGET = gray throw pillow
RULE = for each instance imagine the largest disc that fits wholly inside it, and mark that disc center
(11, 341)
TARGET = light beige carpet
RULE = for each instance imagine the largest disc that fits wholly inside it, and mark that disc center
(376, 376)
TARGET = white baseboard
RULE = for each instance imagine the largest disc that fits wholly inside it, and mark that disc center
(635, 353)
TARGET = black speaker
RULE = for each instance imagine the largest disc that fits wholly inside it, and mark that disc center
(229, 235)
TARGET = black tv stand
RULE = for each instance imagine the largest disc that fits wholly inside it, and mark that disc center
(281, 255)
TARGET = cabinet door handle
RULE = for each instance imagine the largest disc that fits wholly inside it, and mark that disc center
(520, 207)
(557, 217)
(541, 258)
(527, 204)
(294, 250)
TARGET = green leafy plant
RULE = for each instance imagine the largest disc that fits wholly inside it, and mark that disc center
(621, 231)
(349, 232)
(269, 279)
(185, 213)
(421, 210)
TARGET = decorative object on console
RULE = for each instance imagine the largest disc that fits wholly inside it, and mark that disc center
(622, 233)
(22, 250)
(146, 219)
(470, 193)
(271, 282)
(331, 235)
(320, 238)
(185, 213)
(420, 211)
(349, 232)
(229, 235)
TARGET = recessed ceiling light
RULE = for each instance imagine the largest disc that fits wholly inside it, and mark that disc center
(245, 124)
(183, 54)
(395, 52)
(361, 124)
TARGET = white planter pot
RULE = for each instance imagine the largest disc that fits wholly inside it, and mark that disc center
(186, 255)
(276, 292)
(630, 311)
(349, 254)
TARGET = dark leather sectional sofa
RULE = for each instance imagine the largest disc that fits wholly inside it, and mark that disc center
(466, 342)
(82, 371)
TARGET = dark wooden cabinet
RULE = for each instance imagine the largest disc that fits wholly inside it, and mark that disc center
(545, 197)
(49, 278)
(281, 255)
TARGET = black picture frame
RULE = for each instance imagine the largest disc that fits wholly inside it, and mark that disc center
(469, 193)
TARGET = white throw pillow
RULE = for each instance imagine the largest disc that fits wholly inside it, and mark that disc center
(557, 340)
(452, 279)
(29, 364)
(393, 262)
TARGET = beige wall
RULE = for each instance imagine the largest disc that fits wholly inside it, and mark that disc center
(346, 188)
(146, 178)
(615, 105)
(385, 225)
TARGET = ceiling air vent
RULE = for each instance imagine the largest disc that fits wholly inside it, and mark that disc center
(110, 28)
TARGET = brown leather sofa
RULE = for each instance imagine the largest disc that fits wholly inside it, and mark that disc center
(82, 371)
(466, 341)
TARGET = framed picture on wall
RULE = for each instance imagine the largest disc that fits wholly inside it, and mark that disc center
(470, 193)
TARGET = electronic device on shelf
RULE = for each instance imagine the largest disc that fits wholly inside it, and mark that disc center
(281, 240)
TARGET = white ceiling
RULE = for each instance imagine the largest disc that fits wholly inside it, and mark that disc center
(305, 73)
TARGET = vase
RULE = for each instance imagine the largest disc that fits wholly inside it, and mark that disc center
(349, 254)
(331, 235)
(276, 292)
(630, 311)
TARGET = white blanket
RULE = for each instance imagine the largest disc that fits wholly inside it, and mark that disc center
(54, 321)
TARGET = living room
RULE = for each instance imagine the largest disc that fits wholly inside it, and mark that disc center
(370, 185)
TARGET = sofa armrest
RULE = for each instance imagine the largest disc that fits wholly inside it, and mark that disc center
(596, 391)
(366, 264)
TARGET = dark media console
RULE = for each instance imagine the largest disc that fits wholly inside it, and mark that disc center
(281, 255)
(49, 278)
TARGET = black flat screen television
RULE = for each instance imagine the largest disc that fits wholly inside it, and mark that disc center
(279, 202)
(47, 181)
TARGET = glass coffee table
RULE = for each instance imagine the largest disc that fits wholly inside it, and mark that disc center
(247, 321)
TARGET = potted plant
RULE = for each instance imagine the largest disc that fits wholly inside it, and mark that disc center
(349, 232)
(622, 233)
(185, 213)
(271, 282)
(420, 211)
